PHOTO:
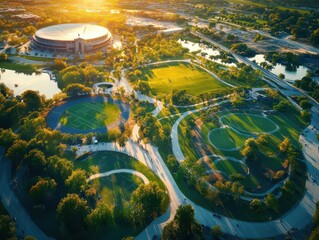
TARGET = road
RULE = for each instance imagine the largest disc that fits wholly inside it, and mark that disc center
(299, 217)
(11, 203)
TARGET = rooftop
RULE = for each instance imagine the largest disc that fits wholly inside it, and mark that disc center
(69, 32)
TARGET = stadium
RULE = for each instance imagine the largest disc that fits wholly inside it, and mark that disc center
(72, 38)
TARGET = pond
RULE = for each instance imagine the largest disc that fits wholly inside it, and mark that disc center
(20, 82)
(204, 49)
(300, 72)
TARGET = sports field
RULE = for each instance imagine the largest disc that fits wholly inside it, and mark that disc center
(226, 139)
(164, 78)
(89, 115)
(249, 123)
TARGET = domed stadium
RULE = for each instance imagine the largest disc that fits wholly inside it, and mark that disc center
(73, 38)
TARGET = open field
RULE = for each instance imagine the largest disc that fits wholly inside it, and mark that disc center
(164, 78)
(107, 161)
(249, 123)
(90, 115)
(226, 139)
(231, 167)
(116, 189)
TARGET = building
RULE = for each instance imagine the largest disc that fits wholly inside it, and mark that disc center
(26, 17)
(73, 38)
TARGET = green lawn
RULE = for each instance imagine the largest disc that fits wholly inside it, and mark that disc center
(107, 161)
(90, 115)
(116, 189)
(249, 123)
(164, 78)
(231, 167)
(226, 139)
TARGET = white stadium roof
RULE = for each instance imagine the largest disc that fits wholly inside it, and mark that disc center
(69, 32)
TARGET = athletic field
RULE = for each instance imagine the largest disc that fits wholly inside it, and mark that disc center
(90, 115)
(164, 78)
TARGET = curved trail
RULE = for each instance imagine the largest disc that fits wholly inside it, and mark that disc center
(106, 174)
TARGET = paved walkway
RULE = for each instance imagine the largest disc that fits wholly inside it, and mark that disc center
(13, 205)
(106, 174)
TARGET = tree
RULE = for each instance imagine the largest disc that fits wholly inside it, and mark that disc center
(76, 182)
(60, 63)
(314, 37)
(184, 225)
(7, 228)
(250, 149)
(30, 127)
(216, 232)
(282, 76)
(306, 115)
(305, 104)
(43, 189)
(271, 202)
(7, 137)
(3, 57)
(146, 202)
(236, 99)
(17, 151)
(255, 205)
(282, 106)
(284, 145)
(76, 89)
(35, 159)
(100, 217)
(72, 210)
(33, 100)
(60, 168)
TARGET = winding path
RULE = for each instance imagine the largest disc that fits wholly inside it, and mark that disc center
(106, 174)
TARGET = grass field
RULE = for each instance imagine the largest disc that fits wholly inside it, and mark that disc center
(90, 115)
(231, 167)
(226, 139)
(249, 123)
(164, 78)
(107, 161)
(116, 189)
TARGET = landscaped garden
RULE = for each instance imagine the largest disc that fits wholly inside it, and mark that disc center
(242, 153)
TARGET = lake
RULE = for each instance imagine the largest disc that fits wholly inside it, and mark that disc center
(204, 49)
(300, 72)
(20, 82)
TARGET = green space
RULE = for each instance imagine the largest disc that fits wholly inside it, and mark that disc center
(18, 67)
(35, 58)
(106, 161)
(90, 115)
(164, 78)
(231, 167)
(226, 139)
(116, 189)
(249, 123)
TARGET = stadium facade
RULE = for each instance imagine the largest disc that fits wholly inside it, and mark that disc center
(73, 38)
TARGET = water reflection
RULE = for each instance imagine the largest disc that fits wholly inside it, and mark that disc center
(290, 74)
(20, 82)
